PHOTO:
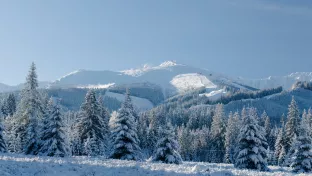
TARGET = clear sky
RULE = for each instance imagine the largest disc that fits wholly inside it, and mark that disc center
(249, 38)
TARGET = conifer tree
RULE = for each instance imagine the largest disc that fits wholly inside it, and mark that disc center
(143, 130)
(268, 131)
(54, 141)
(218, 129)
(3, 146)
(91, 128)
(105, 116)
(279, 146)
(157, 120)
(292, 124)
(124, 135)
(28, 115)
(167, 147)
(232, 132)
(302, 162)
(11, 104)
(251, 152)
(307, 119)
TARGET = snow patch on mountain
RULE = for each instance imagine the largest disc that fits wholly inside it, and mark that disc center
(71, 73)
(97, 86)
(168, 64)
(215, 95)
(190, 81)
(140, 71)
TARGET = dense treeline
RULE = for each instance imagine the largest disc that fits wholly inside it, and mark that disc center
(303, 84)
(240, 95)
(169, 133)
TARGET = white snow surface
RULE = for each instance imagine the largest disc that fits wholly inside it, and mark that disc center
(97, 86)
(215, 95)
(190, 81)
(141, 103)
(21, 165)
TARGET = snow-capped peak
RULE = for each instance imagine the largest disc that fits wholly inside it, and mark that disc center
(71, 73)
(168, 64)
(139, 71)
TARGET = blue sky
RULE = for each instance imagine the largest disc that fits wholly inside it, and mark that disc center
(249, 38)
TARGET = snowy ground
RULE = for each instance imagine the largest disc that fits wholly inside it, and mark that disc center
(20, 165)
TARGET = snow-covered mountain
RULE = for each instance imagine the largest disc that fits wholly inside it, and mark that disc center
(274, 81)
(170, 76)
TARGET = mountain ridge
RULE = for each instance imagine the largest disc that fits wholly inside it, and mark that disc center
(164, 75)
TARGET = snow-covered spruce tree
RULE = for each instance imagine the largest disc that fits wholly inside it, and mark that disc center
(302, 162)
(269, 132)
(251, 151)
(10, 105)
(90, 127)
(143, 130)
(263, 118)
(53, 139)
(184, 138)
(28, 115)
(279, 145)
(125, 143)
(218, 129)
(307, 119)
(157, 120)
(232, 132)
(167, 147)
(3, 146)
(105, 116)
(292, 124)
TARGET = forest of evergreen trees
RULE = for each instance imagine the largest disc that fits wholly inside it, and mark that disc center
(37, 125)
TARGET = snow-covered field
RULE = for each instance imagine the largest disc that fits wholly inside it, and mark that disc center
(20, 165)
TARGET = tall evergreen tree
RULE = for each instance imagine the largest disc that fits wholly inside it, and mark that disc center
(3, 146)
(28, 115)
(157, 120)
(91, 128)
(251, 151)
(292, 124)
(167, 147)
(11, 104)
(218, 129)
(54, 141)
(143, 130)
(124, 135)
(232, 132)
(8, 107)
(307, 119)
(105, 116)
(268, 131)
(279, 154)
(302, 161)
(279, 146)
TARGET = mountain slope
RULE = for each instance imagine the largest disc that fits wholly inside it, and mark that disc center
(171, 77)
(274, 81)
